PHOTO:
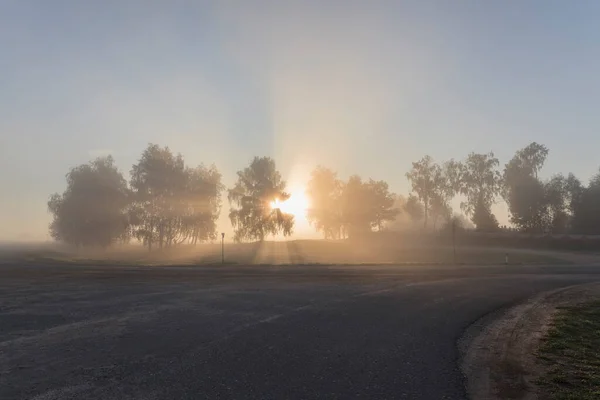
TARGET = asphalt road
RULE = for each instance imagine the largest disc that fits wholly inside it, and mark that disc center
(253, 332)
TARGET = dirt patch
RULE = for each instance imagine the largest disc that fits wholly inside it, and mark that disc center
(499, 351)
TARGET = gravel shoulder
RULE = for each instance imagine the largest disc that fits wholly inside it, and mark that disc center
(499, 352)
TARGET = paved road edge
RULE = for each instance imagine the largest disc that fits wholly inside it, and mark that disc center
(498, 352)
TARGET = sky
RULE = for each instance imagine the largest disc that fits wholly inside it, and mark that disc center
(362, 87)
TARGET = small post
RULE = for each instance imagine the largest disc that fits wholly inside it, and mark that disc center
(454, 238)
(506, 258)
(223, 248)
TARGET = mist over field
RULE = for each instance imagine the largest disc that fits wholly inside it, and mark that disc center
(292, 121)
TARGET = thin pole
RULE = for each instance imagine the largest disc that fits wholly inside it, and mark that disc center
(454, 238)
(222, 248)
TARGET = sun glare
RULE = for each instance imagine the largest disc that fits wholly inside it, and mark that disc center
(296, 205)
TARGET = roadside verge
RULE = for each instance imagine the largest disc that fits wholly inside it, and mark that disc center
(499, 352)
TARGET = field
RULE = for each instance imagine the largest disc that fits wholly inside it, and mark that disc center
(297, 252)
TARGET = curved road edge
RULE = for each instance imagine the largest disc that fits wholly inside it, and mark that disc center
(498, 352)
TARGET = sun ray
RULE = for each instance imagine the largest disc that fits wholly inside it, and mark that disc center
(297, 205)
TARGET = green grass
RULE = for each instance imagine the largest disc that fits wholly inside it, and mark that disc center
(571, 351)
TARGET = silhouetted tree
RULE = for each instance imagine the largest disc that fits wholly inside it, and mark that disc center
(92, 209)
(380, 204)
(453, 176)
(574, 189)
(425, 177)
(252, 213)
(586, 217)
(324, 191)
(447, 184)
(483, 218)
(203, 201)
(532, 158)
(414, 208)
(524, 193)
(366, 205)
(526, 200)
(355, 215)
(172, 203)
(556, 205)
(435, 186)
(158, 182)
(480, 184)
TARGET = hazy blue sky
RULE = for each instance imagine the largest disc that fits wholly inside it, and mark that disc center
(360, 86)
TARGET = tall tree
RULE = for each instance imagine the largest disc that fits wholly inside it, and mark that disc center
(366, 205)
(527, 202)
(425, 177)
(173, 203)
(586, 217)
(481, 183)
(556, 204)
(159, 182)
(446, 185)
(252, 214)
(203, 201)
(574, 189)
(92, 210)
(355, 215)
(324, 191)
(524, 193)
(380, 204)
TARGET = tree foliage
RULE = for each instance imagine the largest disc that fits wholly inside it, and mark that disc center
(435, 186)
(555, 208)
(348, 208)
(366, 205)
(253, 199)
(324, 190)
(425, 177)
(379, 204)
(414, 208)
(166, 202)
(586, 206)
(92, 209)
(171, 202)
(534, 205)
(480, 184)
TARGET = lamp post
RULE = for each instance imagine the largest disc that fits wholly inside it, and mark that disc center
(223, 248)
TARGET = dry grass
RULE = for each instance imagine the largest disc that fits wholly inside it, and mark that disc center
(284, 252)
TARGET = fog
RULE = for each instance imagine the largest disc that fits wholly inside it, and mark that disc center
(362, 89)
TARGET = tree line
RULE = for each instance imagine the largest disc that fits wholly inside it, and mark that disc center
(166, 202)
(560, 204)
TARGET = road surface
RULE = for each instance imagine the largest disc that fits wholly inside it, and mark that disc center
(249, 332)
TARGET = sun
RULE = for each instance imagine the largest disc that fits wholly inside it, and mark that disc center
(297, 204)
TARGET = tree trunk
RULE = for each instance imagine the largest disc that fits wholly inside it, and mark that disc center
(149, 236)
(161, 233)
